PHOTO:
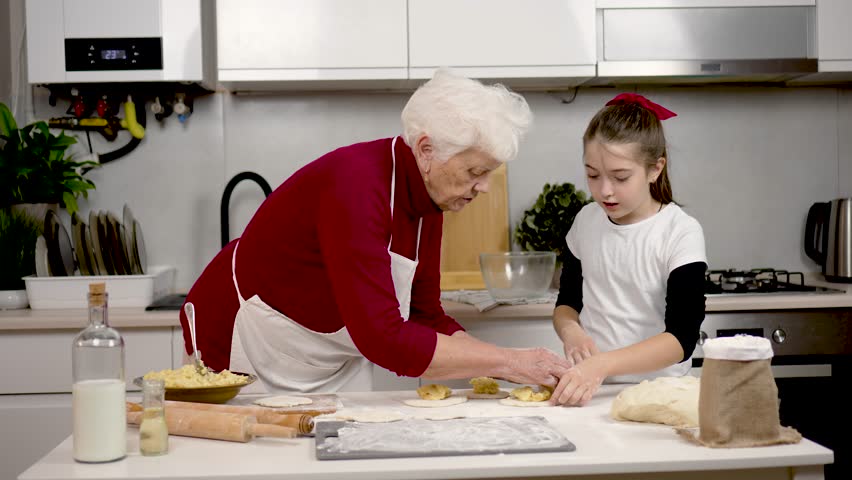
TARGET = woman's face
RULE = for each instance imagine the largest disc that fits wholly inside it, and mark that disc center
(620, 182)
(456, 182)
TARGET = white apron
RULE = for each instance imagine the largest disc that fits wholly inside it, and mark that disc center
(288, 357)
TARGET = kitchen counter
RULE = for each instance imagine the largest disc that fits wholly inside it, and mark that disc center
(606, 449)
(138, 318)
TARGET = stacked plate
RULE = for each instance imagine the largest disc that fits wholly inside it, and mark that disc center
(106, 245)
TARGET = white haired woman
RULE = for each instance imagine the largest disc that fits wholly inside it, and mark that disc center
(339, 267)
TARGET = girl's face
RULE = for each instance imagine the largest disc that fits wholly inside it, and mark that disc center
(619, 182)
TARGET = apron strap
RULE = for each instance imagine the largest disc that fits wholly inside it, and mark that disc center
(234, 271)
(392, 195)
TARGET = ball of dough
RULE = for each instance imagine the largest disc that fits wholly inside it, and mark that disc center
(434, 391)
(484, 385)
(665, 400)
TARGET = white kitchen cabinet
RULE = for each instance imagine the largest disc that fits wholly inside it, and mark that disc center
(310, 40)
(32, 425)
(834, 37)
(39, 361)
(503, 38)
(35, 386)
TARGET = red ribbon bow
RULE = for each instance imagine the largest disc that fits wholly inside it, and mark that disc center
(659, 111)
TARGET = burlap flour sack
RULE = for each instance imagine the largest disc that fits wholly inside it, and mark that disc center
(738, 399)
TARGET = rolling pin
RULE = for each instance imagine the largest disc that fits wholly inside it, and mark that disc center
(302, 422)
(233, 427)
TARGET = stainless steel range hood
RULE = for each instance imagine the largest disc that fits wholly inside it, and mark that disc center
(704, 44)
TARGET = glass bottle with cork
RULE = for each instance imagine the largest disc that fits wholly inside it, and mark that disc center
(153, 431)
(98, 392)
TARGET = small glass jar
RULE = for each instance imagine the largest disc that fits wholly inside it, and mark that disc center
(153, 430)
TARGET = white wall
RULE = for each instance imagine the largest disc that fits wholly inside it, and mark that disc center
(747, 162)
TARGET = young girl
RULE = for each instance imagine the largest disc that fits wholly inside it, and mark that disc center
(631, 296)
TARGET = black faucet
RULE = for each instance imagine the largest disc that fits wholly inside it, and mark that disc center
(226, 198)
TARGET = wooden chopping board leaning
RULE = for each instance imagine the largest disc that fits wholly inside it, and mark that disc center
(189, 421)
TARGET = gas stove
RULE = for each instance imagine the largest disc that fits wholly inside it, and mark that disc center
(760, 281)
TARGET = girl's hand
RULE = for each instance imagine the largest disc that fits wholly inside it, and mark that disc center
(579, 346)
(579, 384)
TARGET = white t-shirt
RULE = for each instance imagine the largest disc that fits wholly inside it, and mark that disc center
(625, 273)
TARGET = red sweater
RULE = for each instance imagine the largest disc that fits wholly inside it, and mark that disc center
(316, 251)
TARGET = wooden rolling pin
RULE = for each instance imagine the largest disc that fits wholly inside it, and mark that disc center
(233, 427)
(302, 422)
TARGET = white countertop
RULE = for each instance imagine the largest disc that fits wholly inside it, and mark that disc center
(604, 447)
(138, 318)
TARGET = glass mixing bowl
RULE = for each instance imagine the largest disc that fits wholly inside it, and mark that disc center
(516, 275)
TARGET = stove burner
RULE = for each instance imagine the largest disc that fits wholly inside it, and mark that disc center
(758, 280)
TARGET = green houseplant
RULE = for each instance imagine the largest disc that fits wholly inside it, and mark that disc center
(34, 167)
(18, 234)
(544, 226)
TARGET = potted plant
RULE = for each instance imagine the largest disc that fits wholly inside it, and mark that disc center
(34, 167)
(18, 234)
(544, 226)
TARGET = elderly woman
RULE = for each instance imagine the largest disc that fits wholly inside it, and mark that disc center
(339, 267)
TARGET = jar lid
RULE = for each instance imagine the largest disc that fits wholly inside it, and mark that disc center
(738, 347)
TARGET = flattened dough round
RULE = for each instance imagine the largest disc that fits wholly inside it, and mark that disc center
(486, 396)
(283, 401)
(512, 402)
(370, 416)
(446, 402)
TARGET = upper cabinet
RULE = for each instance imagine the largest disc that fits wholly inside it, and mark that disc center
(503, 38)
(834, 37)
(287, 40)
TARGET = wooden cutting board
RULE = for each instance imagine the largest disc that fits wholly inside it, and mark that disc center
(480, 227)
(323, 403)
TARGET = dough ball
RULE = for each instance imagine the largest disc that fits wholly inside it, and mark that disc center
(434, 392)
(484, 385)
(527, 394)
(665, 400)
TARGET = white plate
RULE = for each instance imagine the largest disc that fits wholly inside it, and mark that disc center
(96, 243)
(41, 265)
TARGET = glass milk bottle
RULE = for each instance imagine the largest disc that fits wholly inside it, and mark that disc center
(153, 431)
(98, 392)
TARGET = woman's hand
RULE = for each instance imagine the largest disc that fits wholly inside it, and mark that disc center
(580, 383)
(535, 366)
(578, 345)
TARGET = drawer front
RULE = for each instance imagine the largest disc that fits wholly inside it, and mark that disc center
(39, 361)
(707, 33)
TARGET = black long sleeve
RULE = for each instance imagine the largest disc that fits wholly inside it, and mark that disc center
(571, 283)
(685, 304)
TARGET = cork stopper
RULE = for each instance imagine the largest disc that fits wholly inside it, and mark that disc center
(97, 293)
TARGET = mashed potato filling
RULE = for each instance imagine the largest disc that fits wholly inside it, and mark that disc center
(188, 377)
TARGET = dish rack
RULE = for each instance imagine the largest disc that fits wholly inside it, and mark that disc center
(46, 293)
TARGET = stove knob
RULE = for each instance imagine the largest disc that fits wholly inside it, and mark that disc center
(779, 336)
(702, 337)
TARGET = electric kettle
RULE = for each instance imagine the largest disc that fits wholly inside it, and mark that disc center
(828, 238)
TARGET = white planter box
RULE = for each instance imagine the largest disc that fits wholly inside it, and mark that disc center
(47, 293)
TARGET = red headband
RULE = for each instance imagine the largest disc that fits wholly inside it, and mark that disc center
(659, 111)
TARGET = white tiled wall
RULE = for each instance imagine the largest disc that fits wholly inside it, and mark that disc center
(747, 162)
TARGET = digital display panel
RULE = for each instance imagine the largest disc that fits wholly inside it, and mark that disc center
(113, 54)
